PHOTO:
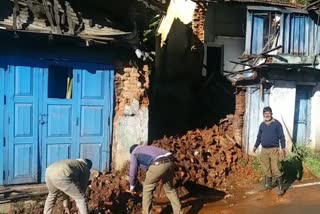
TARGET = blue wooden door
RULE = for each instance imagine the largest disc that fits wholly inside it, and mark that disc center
(254, 114)
(2, 139)
(78, 126)
(22, 121)
(95, 99)
(52, 114)
(58, 117)
(257, 34)
(302, 113)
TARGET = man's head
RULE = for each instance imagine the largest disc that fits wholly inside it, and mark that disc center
(267, 114)
(133, 147)
(88, 162)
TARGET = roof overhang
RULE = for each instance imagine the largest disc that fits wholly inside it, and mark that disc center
(60, 18)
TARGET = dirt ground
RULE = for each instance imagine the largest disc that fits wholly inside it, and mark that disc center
(249, 197)
(240, 198)
(295, 201)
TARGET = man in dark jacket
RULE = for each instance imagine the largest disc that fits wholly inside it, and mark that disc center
(271, 137)
(159, 165)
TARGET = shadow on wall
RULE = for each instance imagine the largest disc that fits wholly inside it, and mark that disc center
(182, 99)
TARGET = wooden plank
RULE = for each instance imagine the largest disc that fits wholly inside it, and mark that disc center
(248, 33)
(286, 30)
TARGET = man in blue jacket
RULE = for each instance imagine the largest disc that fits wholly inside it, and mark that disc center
(159, 165)
(271, 137)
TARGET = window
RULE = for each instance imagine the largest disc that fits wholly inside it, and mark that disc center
(265, 31)
(297, 34)
(60, 82)
(214, 60)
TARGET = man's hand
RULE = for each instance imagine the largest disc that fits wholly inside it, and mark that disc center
(133, 193)
(283, 154)
(254, 149)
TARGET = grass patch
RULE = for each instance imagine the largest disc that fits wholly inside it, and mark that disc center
(256, 165)
(310, 159)
(314, 165)
(293, 165)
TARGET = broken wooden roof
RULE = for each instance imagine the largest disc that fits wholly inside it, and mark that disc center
(61, 17)
(163, 4)
(314, 5)
(288, 3)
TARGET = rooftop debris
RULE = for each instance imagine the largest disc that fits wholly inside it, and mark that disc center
(56, 17)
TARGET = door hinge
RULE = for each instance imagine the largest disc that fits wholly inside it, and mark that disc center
(3, 175)
(4, 142)
(4, 99)
(78, 78)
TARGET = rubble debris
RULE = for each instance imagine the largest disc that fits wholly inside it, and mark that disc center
(57, 17)
(206, 157)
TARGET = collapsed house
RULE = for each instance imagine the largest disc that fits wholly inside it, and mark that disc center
(279, 68)
(267, 50)
(69, 85)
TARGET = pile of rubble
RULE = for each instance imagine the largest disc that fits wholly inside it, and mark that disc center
(206, 157)
(107, 193)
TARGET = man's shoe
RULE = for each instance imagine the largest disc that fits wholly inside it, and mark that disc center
(268, 183)
(280, 186)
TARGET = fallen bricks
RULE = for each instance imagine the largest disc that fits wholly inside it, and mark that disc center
(207, 157)
(204, 156)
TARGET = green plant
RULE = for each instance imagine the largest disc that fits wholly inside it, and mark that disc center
(255, 162)
(310, 158)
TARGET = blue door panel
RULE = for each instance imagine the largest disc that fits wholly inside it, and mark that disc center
(95, 113)
(23, 126)
(92, 151)
(302, 120)
(257, 35)
(23, 155)
(93, 85)
(58, 123)
(2, 162)
(22, 121)
(92, 121)
(56, 152)
(59, 120)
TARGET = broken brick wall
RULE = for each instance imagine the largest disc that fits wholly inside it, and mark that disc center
(198, 20)
(240, 108)
(130, 124)
(181, 98)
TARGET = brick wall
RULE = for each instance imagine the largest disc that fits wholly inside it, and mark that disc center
(240, 109)
(130, 124)
(198, 21)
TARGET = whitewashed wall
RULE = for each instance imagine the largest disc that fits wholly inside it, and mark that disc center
(315, 118)
(282, 102)
(233, 47)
